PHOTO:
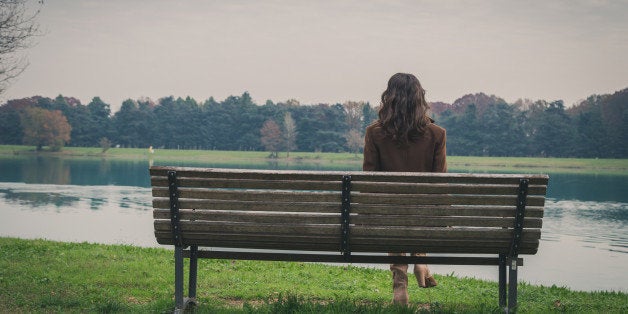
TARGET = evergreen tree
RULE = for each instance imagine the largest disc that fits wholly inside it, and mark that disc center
(126, 122)
(553, 132)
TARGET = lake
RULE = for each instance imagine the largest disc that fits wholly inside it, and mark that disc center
(584, 243)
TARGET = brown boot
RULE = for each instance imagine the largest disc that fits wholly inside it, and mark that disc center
(423, 276)
(400, 287)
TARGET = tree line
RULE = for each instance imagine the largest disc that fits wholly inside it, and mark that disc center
(477, 125)
(482, 125)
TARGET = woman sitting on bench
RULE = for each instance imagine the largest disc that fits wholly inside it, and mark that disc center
(405, 139)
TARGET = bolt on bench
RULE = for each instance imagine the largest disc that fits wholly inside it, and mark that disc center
(348, 217)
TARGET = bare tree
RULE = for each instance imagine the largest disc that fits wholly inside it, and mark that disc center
(290, 133)
(18, 26)
(353, 110)
(355, 141)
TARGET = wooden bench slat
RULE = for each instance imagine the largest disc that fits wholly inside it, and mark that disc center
(293, 206)
(453, 221)
(286, 243)
(253, 217)
(362, 198)
(431, 210)
(335, 218)
(252, 195)
(443, 188)
(356, 175)
(449, 199)
(216, 238)
(331, 230)
(254, 238)
(462, 178)
(357, 248)
(251, 184)
(356, 240)
(376, 187)
(334, 257)
(256, 174)
(445, 210)
(441, 249)
(252, 228)
(443, 232)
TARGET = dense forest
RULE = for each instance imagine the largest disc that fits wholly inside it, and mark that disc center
(477, 125)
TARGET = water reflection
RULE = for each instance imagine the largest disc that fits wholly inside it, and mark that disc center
(52, 170)
(69, 197)
(599, 224)
(48, 170)
(588, 187)
(38, 199)
(99, 214)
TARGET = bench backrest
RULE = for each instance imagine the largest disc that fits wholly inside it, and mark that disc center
(384, 212)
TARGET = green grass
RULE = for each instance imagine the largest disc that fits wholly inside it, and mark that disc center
(540, 165)
(44, 276)
(338, 161)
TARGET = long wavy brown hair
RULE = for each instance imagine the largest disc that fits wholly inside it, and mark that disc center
(403, 111)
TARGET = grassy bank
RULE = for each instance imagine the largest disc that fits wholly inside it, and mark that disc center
(44, 276)
(331, 160)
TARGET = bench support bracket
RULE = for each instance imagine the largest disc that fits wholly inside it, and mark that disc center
(346, 215)
(193, 274)
(511, 260)
(180, 303)
(502, 281)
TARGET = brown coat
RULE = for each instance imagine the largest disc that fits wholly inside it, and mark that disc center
(425, 155)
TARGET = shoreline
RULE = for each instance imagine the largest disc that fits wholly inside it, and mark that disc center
(259, 159)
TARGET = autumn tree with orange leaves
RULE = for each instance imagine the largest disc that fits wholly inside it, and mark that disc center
(45, 128)
(271, 137)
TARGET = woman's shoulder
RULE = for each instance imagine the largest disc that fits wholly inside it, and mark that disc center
(435, 128)
(376, 132)
(374, 127)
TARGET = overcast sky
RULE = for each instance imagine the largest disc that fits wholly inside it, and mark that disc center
(326, 51)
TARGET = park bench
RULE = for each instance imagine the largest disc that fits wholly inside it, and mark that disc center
(348, 217)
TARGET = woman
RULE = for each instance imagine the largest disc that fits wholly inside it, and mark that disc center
(405, 139)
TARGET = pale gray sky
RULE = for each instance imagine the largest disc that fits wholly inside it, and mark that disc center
(326, 51)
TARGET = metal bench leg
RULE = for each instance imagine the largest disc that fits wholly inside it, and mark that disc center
(502, 281)
(512, 285)
(178, 279)
(193, 275)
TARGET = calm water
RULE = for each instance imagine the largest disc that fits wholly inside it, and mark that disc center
(584, 243)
